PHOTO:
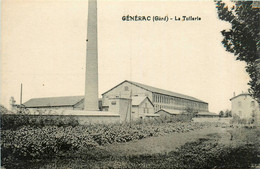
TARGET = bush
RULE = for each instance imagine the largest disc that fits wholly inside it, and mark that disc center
(176, 118)
(30, 142)
(16, 121)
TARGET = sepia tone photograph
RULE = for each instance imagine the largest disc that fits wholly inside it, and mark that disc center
(130, 84)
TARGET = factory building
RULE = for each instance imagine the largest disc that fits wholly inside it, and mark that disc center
(160, 98)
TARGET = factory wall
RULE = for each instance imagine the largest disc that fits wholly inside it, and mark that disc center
(140, 112)
(124, 91)
(161, 101)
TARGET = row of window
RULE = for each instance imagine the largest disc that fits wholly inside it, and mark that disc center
(157, 98)
(158, 107)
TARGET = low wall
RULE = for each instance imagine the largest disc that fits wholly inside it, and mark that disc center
(83, 117)
(83, 120)
(212, 119)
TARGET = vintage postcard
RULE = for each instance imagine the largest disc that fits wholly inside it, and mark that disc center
(128, 84)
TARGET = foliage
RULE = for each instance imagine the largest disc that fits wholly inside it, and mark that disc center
(28, 142)
(32, 143)
(237, 120)
(228, 113)
(221, 114)
(204, 153)
(10, 120)
(207, 152)
(175, 118)
(3, 110)
(243, 38)
(190, 112)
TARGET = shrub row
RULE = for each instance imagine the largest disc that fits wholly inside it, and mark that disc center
(30, 142)
(15, 121)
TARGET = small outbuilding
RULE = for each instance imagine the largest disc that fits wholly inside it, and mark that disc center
(166, 113)
(206, 114)
(141, 107)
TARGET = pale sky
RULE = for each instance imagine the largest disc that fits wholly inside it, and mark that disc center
(43, 46)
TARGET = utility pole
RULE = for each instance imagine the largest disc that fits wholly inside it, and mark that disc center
(131, 106)
(21, 95)
(21, 98)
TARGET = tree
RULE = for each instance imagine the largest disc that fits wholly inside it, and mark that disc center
(221, 113)
(243, 39)
(228, 113)
(190, 111)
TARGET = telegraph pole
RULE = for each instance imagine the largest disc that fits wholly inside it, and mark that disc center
(21, 98)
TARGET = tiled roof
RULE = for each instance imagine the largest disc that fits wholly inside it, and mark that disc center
(53, 101)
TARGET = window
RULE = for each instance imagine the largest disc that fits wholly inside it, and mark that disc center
(113, 102)
(252, 103)
(239, 104)
(126, 88)
(133, 112)
(253, 114)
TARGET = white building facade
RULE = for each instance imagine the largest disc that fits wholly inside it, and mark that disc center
(244, 106)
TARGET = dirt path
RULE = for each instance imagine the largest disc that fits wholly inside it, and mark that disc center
(164, 144)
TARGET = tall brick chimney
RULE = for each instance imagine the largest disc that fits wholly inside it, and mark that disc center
(91, 83)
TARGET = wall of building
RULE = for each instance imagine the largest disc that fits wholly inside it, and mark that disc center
(212, 119)
(169, 102)
(51, 108)
(123, 91)
(135, 112)
(164, 115)
(244, 106)
(79, 106)
(146, 107)
(142, 110)
(121, 106)
(160, 101)
(84, 120)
